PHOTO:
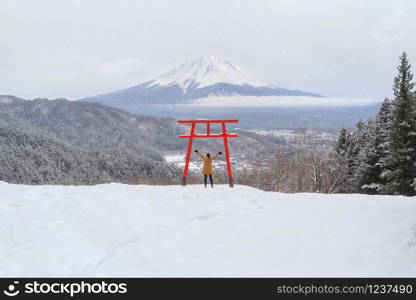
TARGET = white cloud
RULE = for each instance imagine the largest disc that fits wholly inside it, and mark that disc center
(279, 101)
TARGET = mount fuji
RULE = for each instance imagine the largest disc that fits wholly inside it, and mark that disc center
(210, 87)
(206, 76)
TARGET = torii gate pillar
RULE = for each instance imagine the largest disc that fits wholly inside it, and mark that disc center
(223, 135)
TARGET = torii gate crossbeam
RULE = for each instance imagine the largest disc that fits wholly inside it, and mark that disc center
(208, 134)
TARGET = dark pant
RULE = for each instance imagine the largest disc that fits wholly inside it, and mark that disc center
(210, 179)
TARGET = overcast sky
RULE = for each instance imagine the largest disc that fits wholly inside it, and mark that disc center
(72, 49)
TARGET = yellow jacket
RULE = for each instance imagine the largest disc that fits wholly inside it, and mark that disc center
(207, 170)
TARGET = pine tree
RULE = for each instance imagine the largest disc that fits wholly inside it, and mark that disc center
(339, 172)
(402, 152)
(384, 124)
(343, 142)
(369, 170)
(356, 155)
(374, 168)
(365, 172)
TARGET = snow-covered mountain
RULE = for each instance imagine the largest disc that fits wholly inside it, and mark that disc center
(203, 77)
(214, 88)
(205, 71)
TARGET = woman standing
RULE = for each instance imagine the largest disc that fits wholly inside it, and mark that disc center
(207, 169)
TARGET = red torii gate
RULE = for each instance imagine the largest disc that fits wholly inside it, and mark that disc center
(223, 135)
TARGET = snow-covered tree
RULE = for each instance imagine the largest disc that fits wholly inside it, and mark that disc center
(382, 153)
(374, 165)
(382, 139)
(343, 142)
(356, 155)
(402, 150)
(338, 164)
(30, 158)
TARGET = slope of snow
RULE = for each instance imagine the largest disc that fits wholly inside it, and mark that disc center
(278, 101)
(122, 230)
(204, 71)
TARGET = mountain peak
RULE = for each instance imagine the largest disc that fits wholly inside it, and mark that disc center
(204, 77)
(204, 71)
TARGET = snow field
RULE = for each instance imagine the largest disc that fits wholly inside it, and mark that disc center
(126, 230)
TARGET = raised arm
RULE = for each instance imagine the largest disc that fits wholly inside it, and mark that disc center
(216, 155)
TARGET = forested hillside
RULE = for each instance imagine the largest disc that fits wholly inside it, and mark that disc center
(29, 158)
(95, 126)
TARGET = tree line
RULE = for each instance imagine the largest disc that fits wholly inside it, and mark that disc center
(379, 157)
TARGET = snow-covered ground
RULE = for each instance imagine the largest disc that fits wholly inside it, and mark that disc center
(302, 139)
(179, 161)
(196, 165)
(126, 230)
(294, 135)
